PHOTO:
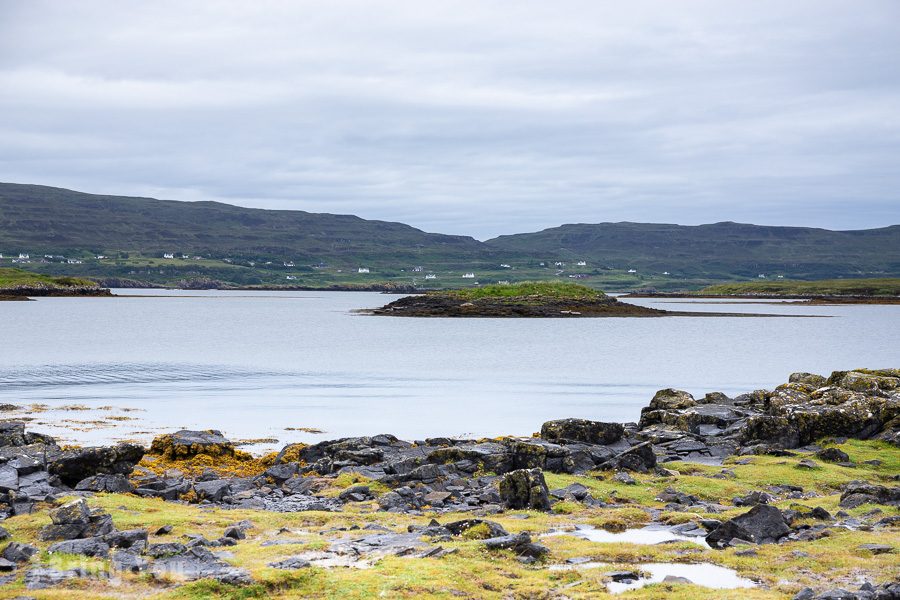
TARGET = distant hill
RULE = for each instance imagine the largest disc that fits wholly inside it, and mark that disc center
(55, 220)
(717, 250)
(247, 246)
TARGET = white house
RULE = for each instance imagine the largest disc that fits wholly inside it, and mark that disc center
(762, 275)
(581, 263)
(430, 276)
(559, 263)
(632, 270)
(23, 256)
(363, 270)
(503, 282)
(417, 269)
(291, 278)
(288, 263)
(168, 255)
(666, 273)
(505, 266)
(468, 275)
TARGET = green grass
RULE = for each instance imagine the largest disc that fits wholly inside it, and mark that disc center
(544, 289)
(10, 277)
(829, 287)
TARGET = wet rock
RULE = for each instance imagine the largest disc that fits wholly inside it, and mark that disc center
(582, 430)
(623, 576)
(88, 547)
(676, 579)
(73, 466)
(763, 524)
(187, 443)
(18, 552)
(525, 488)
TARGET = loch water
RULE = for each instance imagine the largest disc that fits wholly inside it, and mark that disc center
(264, 364)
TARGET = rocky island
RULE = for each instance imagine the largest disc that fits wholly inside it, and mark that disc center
(787, 493)
(16, 284)
(527, 299)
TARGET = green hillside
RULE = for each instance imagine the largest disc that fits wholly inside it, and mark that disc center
(720, 250)
(125, 240)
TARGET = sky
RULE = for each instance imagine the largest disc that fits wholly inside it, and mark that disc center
(478, 118)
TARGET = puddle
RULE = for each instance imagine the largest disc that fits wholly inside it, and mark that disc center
(703, 574)
(652, 534)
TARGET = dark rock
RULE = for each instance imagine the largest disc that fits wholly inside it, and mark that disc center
(520, 543)
(833, 455)
(494, 530)
(18, 552)
(131, 538)
(763, 524)
(12, 433)
(753, 498)
(624, 477)
(293, 562)
(356, 493)
(857, 493)
(623, 576)
(167, 549)
(40, 578)
(75, 512)
(525, 488)
(129, 562)
(88, 547)
(638, 458)
(235, 532)
(215, 490)
(115, 484)
(582, 430)
(877, 548)
(187, 443)
(164, 530)
(73, 466)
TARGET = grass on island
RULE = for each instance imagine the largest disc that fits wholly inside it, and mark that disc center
(10, 278)
(473, 572)
(556, 290)
(824, 287)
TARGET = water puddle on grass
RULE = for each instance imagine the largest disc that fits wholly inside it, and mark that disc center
(702, 574)
(652, 534)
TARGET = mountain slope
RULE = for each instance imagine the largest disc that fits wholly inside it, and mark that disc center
(46, 219)
(717, 249)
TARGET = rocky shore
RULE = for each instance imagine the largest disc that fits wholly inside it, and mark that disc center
(796, 490)
(42, 290)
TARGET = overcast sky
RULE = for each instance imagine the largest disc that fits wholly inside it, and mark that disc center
(476, 118)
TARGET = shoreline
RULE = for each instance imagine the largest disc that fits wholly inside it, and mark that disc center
(751, 485)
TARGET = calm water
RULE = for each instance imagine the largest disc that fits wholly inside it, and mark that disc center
(253, 364)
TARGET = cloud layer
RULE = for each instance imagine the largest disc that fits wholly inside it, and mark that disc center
(476, 118)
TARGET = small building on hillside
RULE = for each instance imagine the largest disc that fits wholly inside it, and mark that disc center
(363, 270)
(468, 275)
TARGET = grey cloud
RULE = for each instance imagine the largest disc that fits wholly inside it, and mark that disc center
(478, 118)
